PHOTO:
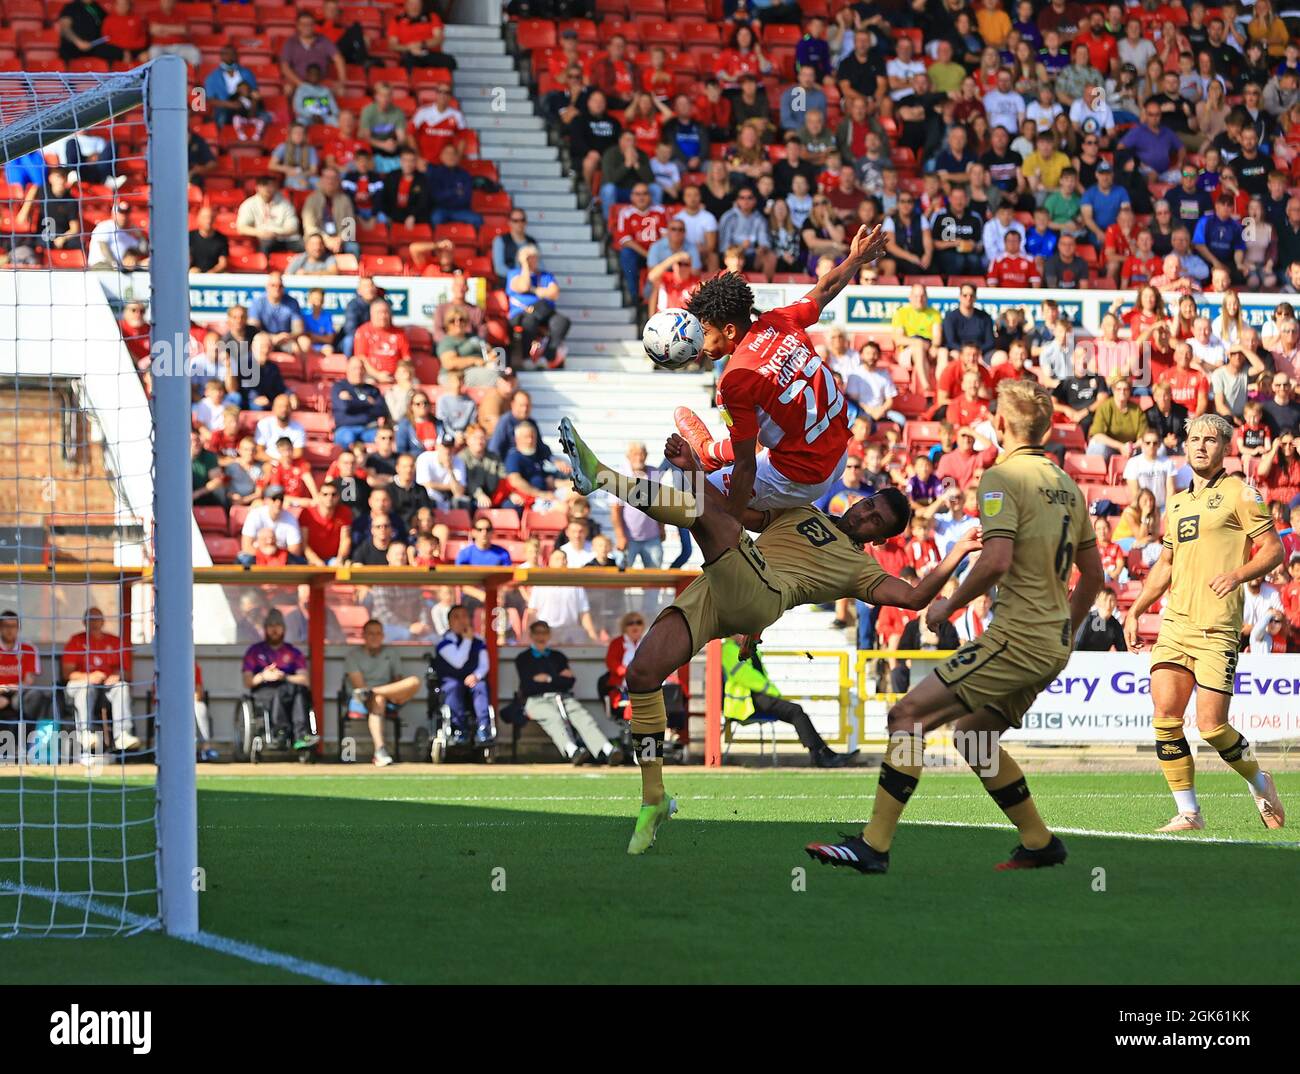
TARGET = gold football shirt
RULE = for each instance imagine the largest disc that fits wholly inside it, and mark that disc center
(1031, 500)
(1209, 531)
(813, 561)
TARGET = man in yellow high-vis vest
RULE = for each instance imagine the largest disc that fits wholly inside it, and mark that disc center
(748, 692)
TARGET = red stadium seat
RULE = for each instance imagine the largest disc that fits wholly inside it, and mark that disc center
(545, 523)
(1117, 494)
(921, 434)
(505, 521)
(1084, 467)
(221, 549)
(67, 259)
(211, 520)
(382, 265)
(457, 521)
(535, 33)
(1069, 436)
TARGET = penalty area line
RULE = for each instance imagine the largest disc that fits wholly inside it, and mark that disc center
(1146, 837)
(223, 945)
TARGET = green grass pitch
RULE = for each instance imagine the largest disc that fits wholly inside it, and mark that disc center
(395, 877)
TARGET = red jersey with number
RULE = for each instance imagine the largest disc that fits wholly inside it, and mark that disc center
(1012, 270)
(86, 654)
(630, 224)
(17, 663)
(775, 389)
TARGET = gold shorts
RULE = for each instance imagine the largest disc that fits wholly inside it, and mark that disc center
(1001, 674)
(734, 595)
(1211, 656)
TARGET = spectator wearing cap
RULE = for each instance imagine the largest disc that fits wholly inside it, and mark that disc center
(375, 676)
(270, 514)
(270, 218)
(116, 244)
(442, 475)
(276, 674)
(1219, 239)
(1100, 205)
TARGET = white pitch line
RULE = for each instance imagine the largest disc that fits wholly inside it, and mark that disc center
(211, 941)
(1149, 837)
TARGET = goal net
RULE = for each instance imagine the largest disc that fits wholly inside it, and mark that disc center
(97, 812)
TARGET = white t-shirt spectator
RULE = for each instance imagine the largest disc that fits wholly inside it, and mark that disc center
(287, 530)
(1043, 117)
(896, 68)
(1259, 605)
(110, 243)
(429, 471)
(269, 430)
(869, 388)
(995, 238)
(577, 557)
(1005, 110)
(1150, 474)
(1095, 120)
(562, 608)
(1212, 354)
(698, 227)
(209, 415)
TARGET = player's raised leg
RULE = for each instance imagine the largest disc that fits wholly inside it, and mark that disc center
(712, 453)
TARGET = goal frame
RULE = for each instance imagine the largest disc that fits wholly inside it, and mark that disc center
(161, 87)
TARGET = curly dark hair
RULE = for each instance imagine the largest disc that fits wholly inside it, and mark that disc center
(725, 299)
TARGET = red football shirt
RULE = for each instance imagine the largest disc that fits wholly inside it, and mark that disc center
(86, 654)
(1186, 385)
(1136, 271)
(320, 534)
(963, 411)
(1013, 271)
(630, 224)
(17, 663)
(950, 379)
(382, 348)
(776, 389)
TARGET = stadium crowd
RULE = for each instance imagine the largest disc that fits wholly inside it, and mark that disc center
(1150, 147)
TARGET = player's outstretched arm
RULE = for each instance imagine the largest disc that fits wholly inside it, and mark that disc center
(743, 472)
(868, 245)
(1152, 590)
(1091, 577)
(899, 594)
(994, 562)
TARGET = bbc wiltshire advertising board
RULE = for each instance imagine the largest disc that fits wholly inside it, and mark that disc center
(1106, 697)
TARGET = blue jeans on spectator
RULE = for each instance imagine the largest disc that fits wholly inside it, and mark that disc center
(611, 195)
(683, 535)
(456, 216)
(463, 700)
(650, 552)
(631, 263)
(866, 624)
(347, 435)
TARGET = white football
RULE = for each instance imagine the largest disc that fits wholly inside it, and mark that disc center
(673, 338)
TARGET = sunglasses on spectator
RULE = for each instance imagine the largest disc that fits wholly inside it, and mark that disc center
(636, 622)
(485, 528)
(519, 219)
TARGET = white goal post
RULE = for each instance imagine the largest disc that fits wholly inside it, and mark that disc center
(38, 110)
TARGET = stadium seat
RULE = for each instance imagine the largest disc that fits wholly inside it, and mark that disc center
(544, 523)
(1084, 467)
(457, 521)
(221, 549)
(921, 434)
(382, 265)
(535, 33)
(504, 521)
(211, 520)
(1069, 436)
(1119, 495)
(67, 259)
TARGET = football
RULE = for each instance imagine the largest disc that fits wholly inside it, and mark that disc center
(673, 338)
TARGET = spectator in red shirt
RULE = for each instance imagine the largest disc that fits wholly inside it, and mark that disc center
(968, 408)
(1113, 557)
(634, 229)
(1141, 266)
(291, 474)
(1189, 386)
(21, 700)
(169, 34)
(326, 528)
(135, 333)
(1016, 367)
(1278, 473)
(615, 75)
(380, 345)
(964, 465)
(1013, 269)
(1120, 240)
(126, 31)
(417, 37)
(92, 666)
(950, 379)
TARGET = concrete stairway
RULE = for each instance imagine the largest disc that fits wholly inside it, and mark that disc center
(511, 133)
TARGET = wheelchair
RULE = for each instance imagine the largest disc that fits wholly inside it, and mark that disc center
(436, 739)
(254, 735)
(392, 716)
